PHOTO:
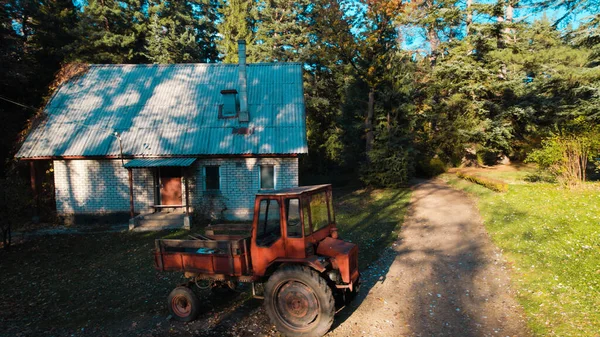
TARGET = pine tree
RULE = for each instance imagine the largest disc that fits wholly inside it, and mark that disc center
(110, 31)
(181, 31)
(235, 25)
(54, 23)
(281, 32)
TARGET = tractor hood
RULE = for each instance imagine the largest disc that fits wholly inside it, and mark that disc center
(343, 255)
(333, 247)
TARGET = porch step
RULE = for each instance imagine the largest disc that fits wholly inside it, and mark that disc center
(157, 227)
(159, 221)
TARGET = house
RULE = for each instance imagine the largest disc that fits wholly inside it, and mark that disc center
(138, 140)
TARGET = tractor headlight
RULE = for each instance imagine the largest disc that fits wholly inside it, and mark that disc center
(334, 275)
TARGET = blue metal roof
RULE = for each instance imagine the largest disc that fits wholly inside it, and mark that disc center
(171, 110)
(159, 162)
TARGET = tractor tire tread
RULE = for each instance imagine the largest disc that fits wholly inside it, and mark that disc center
(291, 272)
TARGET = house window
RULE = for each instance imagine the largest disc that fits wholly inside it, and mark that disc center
(267, 177)
(212, 178)
(229, 106)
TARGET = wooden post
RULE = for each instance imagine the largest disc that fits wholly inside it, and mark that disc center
(187, 194)
(34, 187)
(131, 207)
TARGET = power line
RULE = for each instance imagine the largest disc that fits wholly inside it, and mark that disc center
(17, 103)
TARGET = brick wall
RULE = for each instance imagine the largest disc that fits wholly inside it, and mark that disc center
(239, 183)
(102, 186)
(99, 186)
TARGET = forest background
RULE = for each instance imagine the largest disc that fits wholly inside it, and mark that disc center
(393, 88)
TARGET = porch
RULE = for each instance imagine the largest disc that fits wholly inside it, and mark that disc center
(171, 208)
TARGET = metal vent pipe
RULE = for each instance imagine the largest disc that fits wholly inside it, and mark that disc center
(243, 116)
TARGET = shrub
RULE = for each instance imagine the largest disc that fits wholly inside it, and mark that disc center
(432, 167)
(540, 176)
(387, 169)
(492, 184)
(488, 157)
(566, 156)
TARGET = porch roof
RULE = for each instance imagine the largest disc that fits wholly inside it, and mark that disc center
(159, 162)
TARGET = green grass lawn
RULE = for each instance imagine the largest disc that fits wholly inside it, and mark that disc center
(370, 218)
(106, 285)
(551, 237)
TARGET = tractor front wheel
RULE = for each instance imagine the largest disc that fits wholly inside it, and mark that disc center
(183, 304)
(299, 302)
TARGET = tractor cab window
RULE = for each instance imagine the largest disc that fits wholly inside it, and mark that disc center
(305, 214)
(292, 211)
(319, 214)
(269, 223)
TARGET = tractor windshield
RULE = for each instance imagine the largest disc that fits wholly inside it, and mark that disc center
(319, 211)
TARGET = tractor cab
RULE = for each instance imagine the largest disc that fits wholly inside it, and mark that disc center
(297, 225)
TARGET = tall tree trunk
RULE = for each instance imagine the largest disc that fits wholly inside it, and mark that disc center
(499, 32)
(469, 16)
(434, 43)
(508, 31)
(434, 40)
(369, 120)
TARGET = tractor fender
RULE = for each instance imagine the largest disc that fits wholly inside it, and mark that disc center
(318, 263)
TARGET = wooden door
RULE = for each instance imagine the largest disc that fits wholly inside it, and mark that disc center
(170, 186)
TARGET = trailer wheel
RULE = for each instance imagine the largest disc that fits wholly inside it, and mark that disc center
(183, 304)
(299, 302)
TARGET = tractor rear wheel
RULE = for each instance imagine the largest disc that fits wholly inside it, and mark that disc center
(183, 304)
(299, 302)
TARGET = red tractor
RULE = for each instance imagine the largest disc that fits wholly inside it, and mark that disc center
(293, 252)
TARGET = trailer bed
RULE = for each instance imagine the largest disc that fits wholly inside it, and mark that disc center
(204, 257)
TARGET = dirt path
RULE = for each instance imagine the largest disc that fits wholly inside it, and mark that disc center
(443, 277)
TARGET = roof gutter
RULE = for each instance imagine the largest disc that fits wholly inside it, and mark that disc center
(209, 156)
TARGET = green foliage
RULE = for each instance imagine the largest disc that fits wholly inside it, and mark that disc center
(281, 32)
(371, 218)
(234, 26)
(390, 162)
(492, 184)
(497, 85)
(487, 157)
(540, 176)
(109, 32)
(180, 32)
(431, 168)
(566, 156)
